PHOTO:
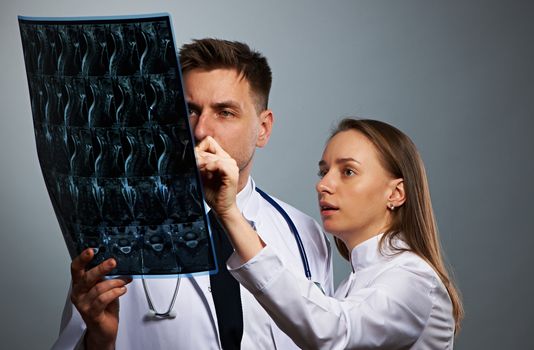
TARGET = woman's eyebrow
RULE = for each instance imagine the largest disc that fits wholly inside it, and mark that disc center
(322, 163)
(346, 160)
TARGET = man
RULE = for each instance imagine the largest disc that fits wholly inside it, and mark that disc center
(227, 87)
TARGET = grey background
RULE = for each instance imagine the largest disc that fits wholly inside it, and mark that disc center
(457, 76)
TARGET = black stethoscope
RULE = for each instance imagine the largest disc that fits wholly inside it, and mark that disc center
(170, 313)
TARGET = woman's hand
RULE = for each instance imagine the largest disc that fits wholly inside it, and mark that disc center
(219, 174)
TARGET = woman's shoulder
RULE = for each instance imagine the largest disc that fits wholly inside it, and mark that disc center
(400, 263)
(398, 255)
(410, 279)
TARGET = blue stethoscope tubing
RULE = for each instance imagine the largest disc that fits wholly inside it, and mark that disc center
(293, 230)
(170, 312)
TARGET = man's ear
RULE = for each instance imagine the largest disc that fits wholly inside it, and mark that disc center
(397, 197)
(265, 127)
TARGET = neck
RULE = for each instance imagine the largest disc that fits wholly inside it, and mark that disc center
(355, 238)
(244, 174)
(242, 181)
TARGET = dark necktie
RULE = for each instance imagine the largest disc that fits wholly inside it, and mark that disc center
(225, 291)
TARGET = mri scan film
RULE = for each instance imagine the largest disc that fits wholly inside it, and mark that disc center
(114, 142)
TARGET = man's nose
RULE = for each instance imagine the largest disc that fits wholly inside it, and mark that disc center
(201, 127)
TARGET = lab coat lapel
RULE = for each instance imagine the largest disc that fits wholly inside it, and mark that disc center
(202, 286)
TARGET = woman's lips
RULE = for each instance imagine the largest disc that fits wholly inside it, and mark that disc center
(327, 208)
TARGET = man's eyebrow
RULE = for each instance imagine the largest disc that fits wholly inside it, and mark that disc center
(226, 104)
(192, 105)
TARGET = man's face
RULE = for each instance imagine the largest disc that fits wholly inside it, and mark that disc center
(222, 106)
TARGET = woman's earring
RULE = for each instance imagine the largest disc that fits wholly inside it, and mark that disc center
(391, 206)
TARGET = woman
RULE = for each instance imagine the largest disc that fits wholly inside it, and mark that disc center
(374, 198)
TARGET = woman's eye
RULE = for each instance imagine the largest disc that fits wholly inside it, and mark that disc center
(321, 173)
(349, 172)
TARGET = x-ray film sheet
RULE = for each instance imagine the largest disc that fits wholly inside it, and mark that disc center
(114, 142)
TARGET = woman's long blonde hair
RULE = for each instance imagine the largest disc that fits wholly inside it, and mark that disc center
(414, 220)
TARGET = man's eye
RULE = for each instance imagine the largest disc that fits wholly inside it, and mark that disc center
(192, 112)
(321, 173)
(226, 114)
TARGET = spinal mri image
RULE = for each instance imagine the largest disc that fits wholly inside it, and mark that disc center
(114, 143)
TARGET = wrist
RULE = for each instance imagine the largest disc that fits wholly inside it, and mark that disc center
(93, 341)
(246, 242)
(230, 215)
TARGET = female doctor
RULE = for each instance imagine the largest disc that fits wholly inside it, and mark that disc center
(374, 198)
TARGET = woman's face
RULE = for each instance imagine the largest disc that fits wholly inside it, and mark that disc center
(354, 190)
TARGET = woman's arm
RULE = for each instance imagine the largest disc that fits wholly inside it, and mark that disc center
(370, 317)
(390, 312)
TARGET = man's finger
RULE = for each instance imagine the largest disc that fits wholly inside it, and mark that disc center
(105, 286)
(101, 302)
(204, 158)
(78, 264)
(210, 145)
(205, 145)
(99, 272)
(221, 166)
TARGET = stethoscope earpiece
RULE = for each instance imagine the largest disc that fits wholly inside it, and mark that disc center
(152, 314)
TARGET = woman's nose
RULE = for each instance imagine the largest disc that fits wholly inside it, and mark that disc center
(325, 185)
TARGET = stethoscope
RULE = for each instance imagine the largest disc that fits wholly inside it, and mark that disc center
(170, 313)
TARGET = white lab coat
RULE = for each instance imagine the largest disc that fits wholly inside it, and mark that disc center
(387, 302)
(195, 326)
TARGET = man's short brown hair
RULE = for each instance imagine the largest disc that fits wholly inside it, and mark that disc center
(208, 54)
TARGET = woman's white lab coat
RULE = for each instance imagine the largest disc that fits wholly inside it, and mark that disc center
(387, 302)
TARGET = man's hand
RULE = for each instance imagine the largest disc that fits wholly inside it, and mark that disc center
(220, 175)
(97, 299)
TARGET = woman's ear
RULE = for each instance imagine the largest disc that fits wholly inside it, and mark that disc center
(397, 196)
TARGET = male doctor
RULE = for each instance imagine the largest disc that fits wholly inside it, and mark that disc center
(227, 89)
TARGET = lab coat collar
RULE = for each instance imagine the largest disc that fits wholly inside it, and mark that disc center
(369, 253)
(248, 202)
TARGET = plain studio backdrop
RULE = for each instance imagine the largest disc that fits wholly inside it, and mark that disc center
(457, 76)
